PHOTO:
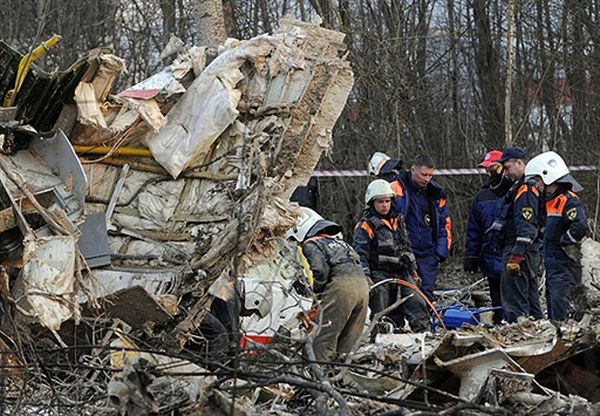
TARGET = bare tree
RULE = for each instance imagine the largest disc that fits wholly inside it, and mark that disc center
(211, 22)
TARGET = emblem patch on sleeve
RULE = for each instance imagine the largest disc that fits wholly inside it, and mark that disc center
(527, 213)
(427, 220)
(572, 213)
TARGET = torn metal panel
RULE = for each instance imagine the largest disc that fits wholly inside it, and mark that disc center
(165, 82)
(58, 153)
(205, 110)
(136, 307)
(140, 251)
(537, 362)
(275, 306)
(46, 285)
(155, 281)
(116, 193)
(34, 171)
(49, 167)
(474, 370)
(270, 296)
(93, 243)
(316, 39)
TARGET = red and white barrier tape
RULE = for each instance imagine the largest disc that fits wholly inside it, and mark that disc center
(440, 172)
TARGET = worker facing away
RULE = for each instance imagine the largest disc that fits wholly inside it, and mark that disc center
(339, 283)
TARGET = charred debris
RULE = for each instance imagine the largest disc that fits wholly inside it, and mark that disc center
(144, 265)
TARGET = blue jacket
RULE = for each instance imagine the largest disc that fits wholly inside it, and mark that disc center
(566, 224)
(520, 219)
(480, 244)
(425, 212)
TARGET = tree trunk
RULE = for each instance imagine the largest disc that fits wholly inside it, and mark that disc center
(211, 23)
(490, 85)
(168, 8)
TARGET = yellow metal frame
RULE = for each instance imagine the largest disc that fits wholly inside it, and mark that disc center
(25, 64)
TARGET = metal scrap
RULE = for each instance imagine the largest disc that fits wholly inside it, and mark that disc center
(189, 303)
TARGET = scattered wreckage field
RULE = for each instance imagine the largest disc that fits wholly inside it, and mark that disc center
(131, 223)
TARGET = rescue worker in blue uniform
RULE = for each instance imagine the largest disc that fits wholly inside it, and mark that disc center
(482, 252)
(381, 241)
(340, 285)
(566, 225)
(422, 204)
(517, 228)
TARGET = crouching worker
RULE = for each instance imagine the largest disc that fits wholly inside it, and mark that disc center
(566, 225)
(339, 283)
(381, 241)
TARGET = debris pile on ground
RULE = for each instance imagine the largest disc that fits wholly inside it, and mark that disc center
(145, 269)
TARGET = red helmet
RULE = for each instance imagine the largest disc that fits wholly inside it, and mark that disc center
(493, 156)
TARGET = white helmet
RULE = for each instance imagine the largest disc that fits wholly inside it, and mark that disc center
(308, 219)
(376, 163)
(379, 188)
(549, 166)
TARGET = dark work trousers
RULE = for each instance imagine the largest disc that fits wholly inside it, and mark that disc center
(494, 283)
(414, 309)
(520, 294)
(345, 303)
(427, 266)
(562, 276)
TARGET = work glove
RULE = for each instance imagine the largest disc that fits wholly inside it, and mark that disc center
(308, 318)
(573, 251)
(471, 264)
(514, 264)
(415, 276)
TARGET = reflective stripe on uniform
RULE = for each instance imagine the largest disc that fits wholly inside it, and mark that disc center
(524, 239)
(391, 225)
(571, 237)
(521, 191)
(307, 271)
(397, 187)
(448, 227)
(556, 206)
(365, 226)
